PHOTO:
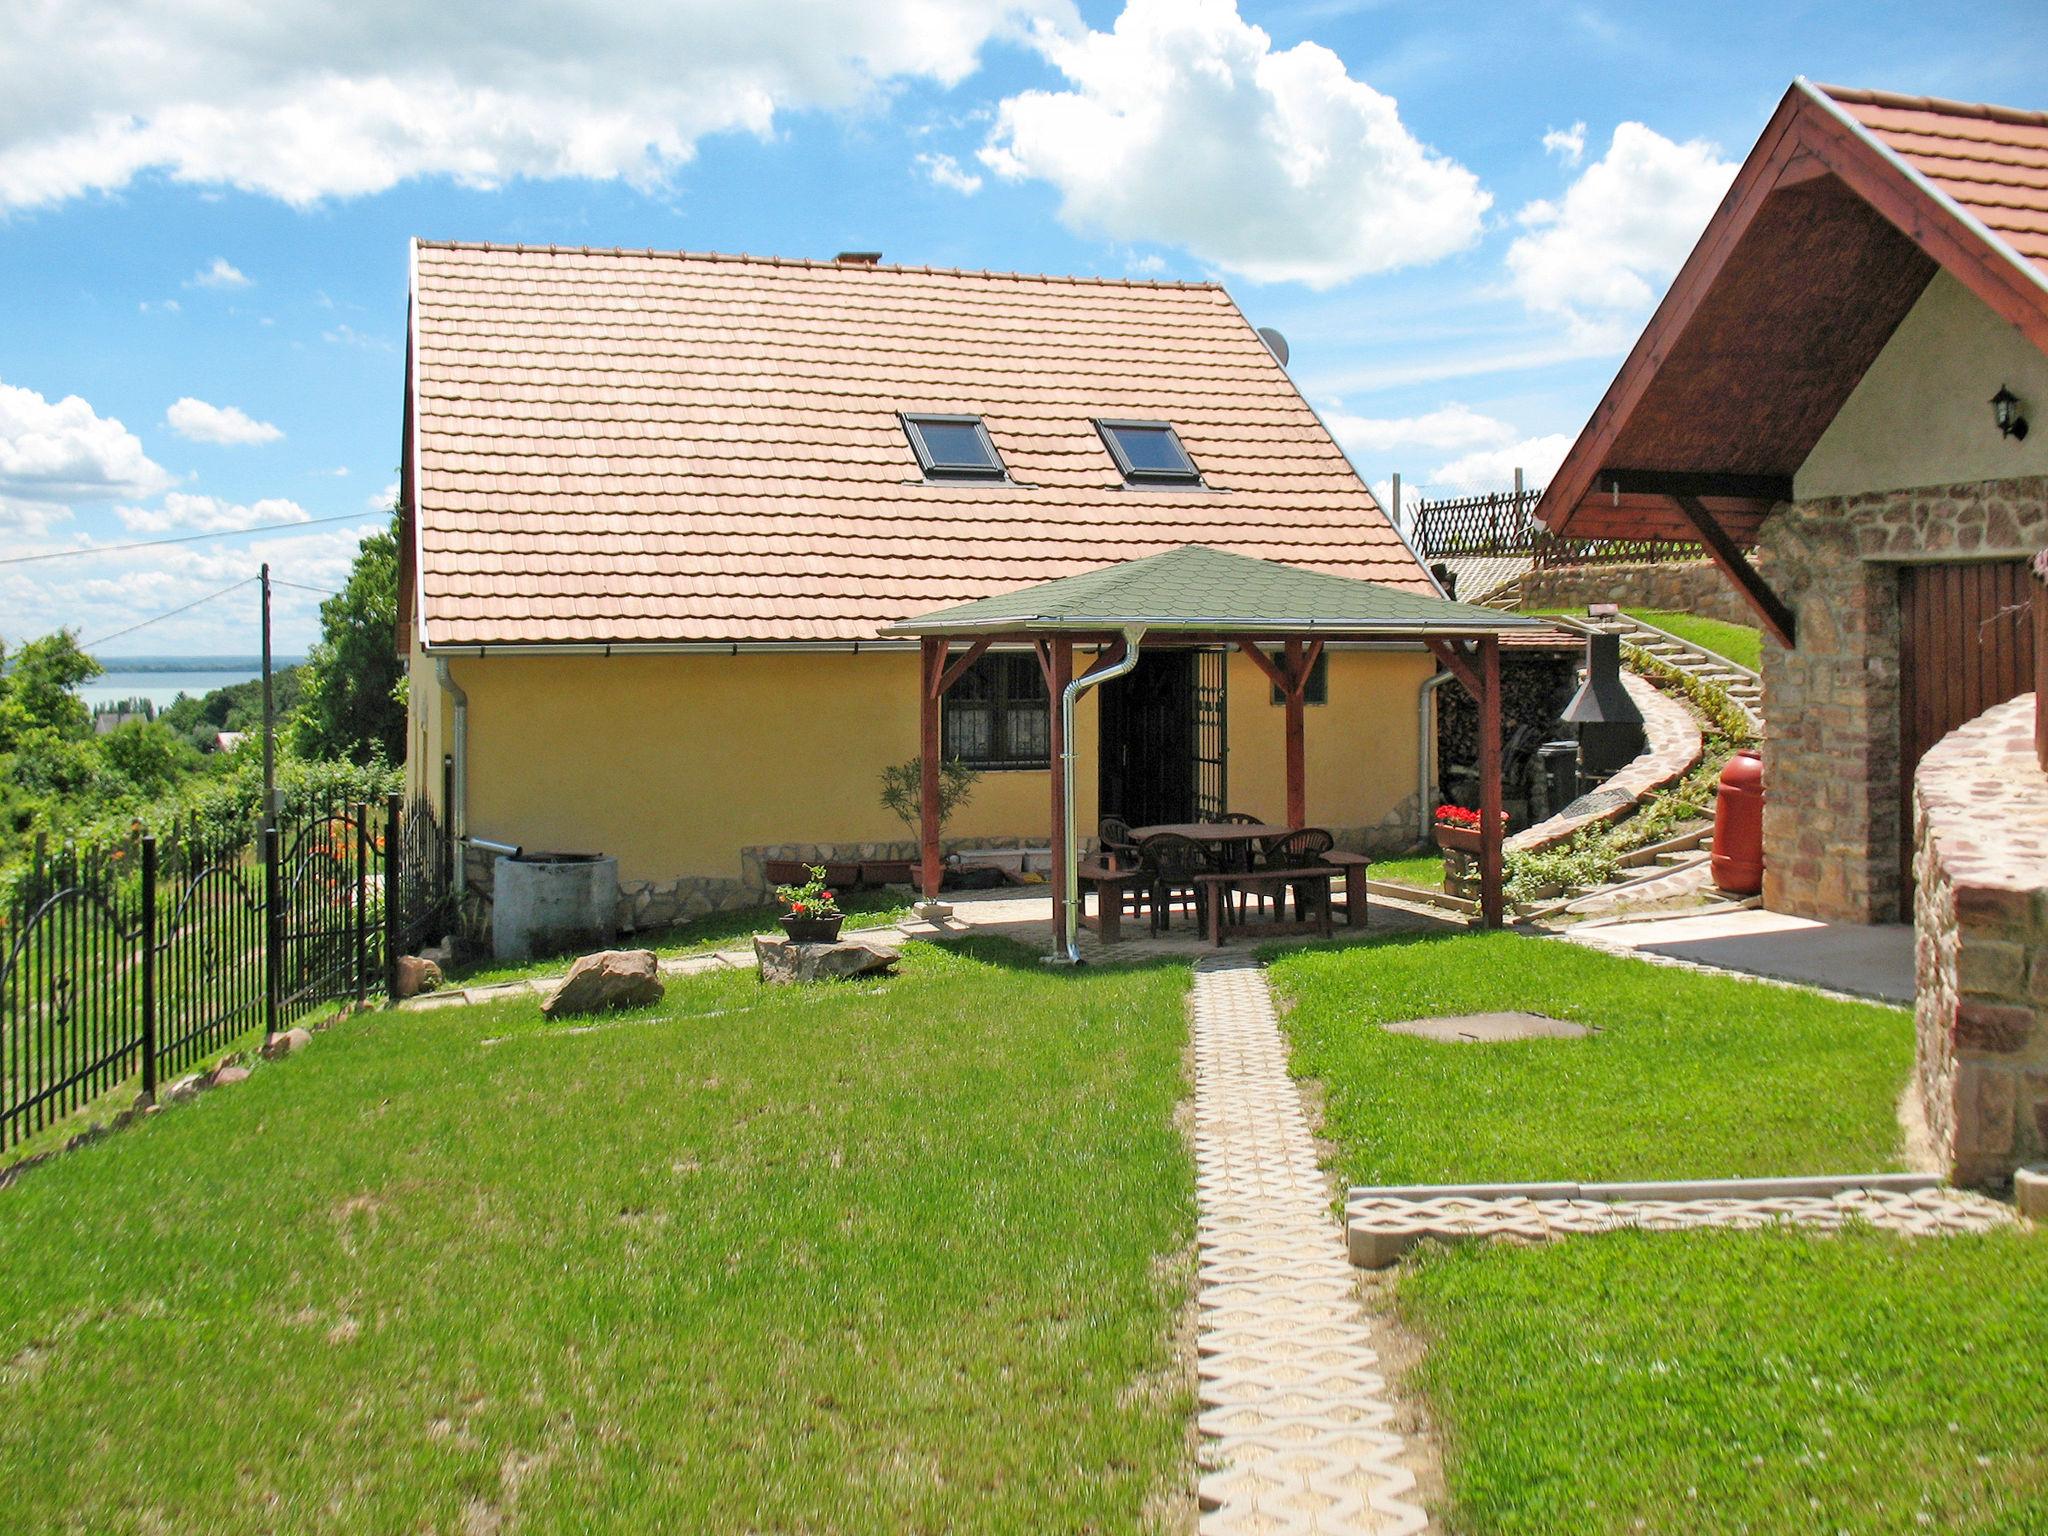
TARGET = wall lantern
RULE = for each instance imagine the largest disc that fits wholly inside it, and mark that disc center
(2005, 410)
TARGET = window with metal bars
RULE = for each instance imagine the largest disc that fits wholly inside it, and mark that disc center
(996, 716)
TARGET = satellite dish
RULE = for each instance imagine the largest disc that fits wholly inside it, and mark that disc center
(1275, 343)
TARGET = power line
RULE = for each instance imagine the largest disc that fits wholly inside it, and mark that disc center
(169, 614)
(185, 538)
(300, 586)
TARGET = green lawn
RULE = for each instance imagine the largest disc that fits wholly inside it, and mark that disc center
(1421, 869)
(893, 1256)
(1741, 1382)
(1701, 1382)
(717, 930)
(1690, 1076)
(1739, 643)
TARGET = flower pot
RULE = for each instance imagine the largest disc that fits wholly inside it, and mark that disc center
(1456, 839)
(805, 929)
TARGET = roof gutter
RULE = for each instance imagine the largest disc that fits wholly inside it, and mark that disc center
(1907, 169)
(1069, 936)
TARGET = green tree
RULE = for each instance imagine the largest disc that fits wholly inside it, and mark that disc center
(149, 755)
(352, 707)
(38, 690)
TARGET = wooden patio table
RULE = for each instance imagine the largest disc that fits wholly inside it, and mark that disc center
(1218, 832)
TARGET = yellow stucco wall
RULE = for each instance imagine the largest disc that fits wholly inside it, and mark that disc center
(676, 762)
(1922, 414)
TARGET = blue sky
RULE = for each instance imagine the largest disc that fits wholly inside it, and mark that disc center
(1459, 216)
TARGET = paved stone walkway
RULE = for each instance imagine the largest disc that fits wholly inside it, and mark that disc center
(1295, 1421)
(1380, 1229)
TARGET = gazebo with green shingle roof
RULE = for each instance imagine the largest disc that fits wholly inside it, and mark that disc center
(1201, 597)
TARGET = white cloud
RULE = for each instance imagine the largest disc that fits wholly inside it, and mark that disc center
(225, 424)
(349, 336)
(307, 100)
(385, 499)
(100, 593)
(184, 512)
(57, 453)
(1568, 144)
(1493, 469)
(221, 274)
(1448, 427)
(1601, 255)
(1183, 125)
(945, 171)
(167, 306)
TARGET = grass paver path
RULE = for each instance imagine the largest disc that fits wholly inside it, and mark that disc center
(1296, 1426)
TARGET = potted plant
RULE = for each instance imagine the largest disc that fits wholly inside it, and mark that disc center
(813, 916)
(902, 795)
(1457, 829)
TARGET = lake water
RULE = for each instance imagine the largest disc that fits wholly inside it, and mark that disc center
(158, 687)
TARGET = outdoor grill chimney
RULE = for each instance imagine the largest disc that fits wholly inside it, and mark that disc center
(1610, 724)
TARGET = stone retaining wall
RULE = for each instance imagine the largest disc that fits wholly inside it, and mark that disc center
(1980, 803)
(1682, 586)
(1832, 818)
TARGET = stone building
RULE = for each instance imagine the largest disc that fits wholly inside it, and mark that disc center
(1834, 398)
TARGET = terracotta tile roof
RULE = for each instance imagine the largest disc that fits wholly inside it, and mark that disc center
(629, 446)
(1992, 160)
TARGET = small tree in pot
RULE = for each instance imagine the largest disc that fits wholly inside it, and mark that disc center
(903, 792)
(814, 915)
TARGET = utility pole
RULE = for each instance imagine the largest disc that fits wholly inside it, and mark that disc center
(269, 716)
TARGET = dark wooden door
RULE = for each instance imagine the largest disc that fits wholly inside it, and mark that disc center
(1966, 642)
(1147, 741)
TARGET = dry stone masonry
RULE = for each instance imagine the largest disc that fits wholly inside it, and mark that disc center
(1981, 934)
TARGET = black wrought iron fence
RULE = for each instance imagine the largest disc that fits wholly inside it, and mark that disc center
(139, 961)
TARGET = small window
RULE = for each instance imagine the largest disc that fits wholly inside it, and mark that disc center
(1149, 453)
(953, 448)
(1318, 689)
(997, 715)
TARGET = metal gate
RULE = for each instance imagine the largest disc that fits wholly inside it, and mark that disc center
(1212, 741)
(1966, 642)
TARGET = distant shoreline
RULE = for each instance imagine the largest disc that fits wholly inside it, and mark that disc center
(253, 665)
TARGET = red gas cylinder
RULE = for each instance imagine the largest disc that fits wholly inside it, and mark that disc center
(1739, 825)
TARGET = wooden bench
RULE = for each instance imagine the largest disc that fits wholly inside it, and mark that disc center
(1111, 886)
(1352, 866)
(1218, 887)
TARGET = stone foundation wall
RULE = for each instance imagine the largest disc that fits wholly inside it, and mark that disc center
(1832, 817)
(1684, 586)
(1981, 938)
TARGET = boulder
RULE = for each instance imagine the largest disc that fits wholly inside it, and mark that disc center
(417, 974)
(285, 1041)
(227, 1075)
(612, 978)
(184, 1090)
(785, 960)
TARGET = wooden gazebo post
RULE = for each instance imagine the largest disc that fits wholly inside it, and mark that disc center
(1480, 677)
(932, 654)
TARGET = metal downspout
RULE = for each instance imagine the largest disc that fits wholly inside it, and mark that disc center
(458, 813)
(1070, 935)
(1425, 752)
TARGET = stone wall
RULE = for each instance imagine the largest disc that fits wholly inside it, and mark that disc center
(1682, 586)
(1832, 818)
(1980, 805)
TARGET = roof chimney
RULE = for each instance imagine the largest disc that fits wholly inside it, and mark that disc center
(859, 258)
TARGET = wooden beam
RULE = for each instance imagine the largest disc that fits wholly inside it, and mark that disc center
(1059, 673)
(1308, 665)
(1458, 662)
(932, 654)
(1042, 649)
(1768, 489)
(958, 669)
(1297, 752)
(1274, 674)
(1492, 907)
(1777, 618)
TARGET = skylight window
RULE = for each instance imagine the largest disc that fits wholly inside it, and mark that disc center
(1149, 453)
(953, 448)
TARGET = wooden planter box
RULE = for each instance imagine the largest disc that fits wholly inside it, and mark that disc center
(1457, 839)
